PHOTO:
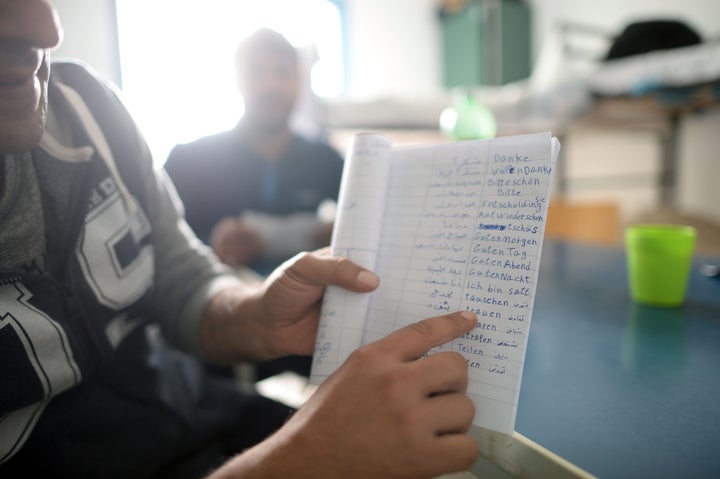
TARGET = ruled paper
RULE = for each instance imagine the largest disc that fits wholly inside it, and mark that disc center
(461, 228)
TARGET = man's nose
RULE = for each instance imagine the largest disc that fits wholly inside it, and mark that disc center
(34, 21)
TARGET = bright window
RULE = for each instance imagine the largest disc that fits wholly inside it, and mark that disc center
(177, 59)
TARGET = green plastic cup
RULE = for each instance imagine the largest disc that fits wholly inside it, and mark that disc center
(659, 259)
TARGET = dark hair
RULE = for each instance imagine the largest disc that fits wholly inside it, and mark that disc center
(648, 36)
(264, 40)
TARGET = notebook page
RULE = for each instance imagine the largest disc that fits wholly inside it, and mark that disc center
(463, 229)
(356, 235)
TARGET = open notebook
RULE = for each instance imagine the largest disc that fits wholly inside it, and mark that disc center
(447, 227)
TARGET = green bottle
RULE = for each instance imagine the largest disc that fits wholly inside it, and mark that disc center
(469, 121)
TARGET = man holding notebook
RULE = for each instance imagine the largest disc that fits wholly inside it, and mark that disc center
(98, 270)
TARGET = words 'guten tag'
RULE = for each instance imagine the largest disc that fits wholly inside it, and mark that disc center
(446, 227)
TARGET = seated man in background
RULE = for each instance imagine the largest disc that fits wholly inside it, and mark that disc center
(252, 193)
(98, 269)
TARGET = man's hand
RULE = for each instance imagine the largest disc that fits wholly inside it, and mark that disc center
(386, 412)
(279, 317)
(235, 243)
(322, 235)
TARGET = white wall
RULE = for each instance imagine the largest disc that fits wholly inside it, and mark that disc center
(90, 34)
(394, 46)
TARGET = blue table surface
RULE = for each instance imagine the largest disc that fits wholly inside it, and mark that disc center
(619, 389)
